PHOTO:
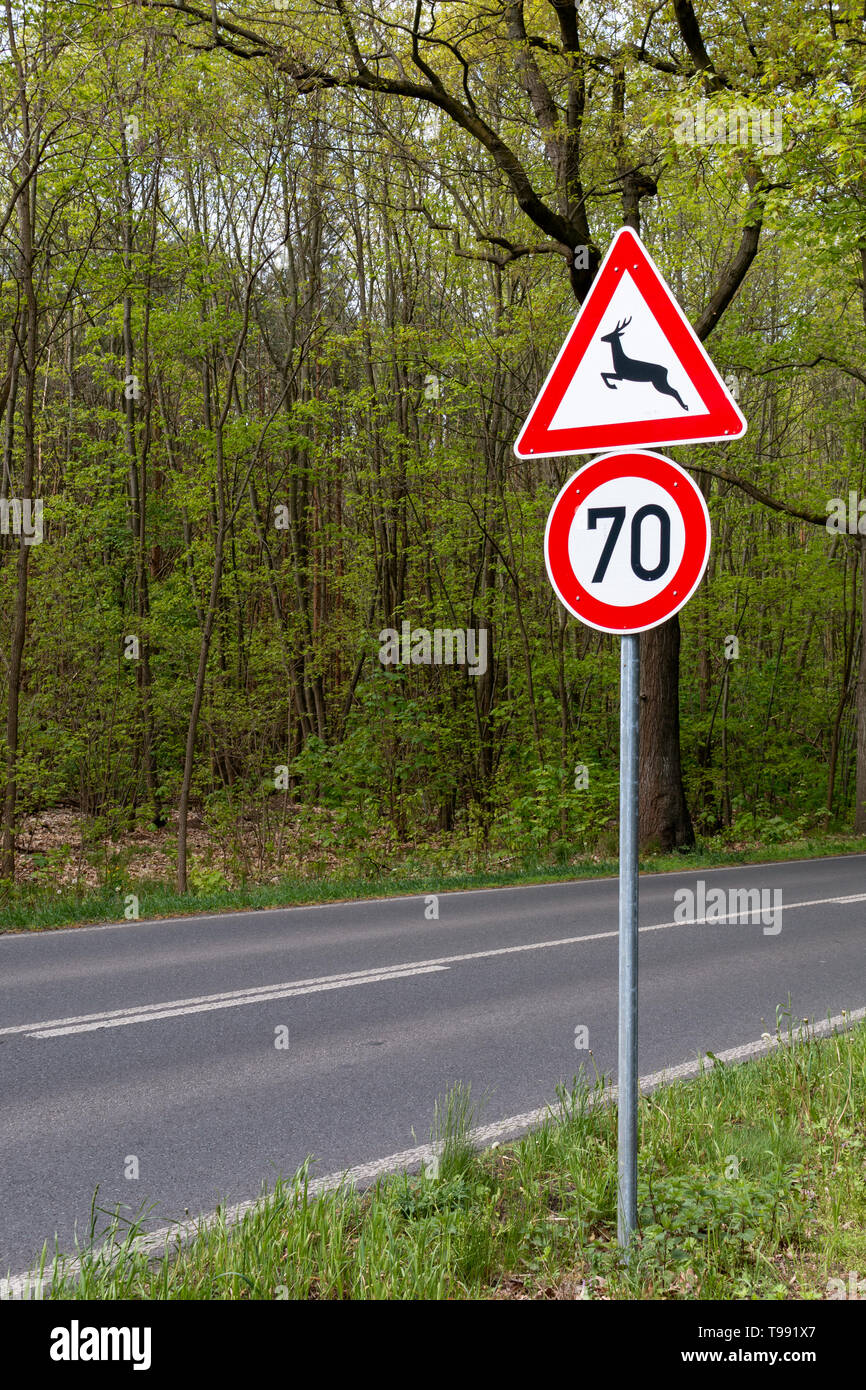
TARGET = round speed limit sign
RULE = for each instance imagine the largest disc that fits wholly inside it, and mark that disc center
(627, 541)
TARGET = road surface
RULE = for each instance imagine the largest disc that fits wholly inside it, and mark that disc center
(157, 1041)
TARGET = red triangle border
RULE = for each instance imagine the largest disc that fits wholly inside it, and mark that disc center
(724, 420)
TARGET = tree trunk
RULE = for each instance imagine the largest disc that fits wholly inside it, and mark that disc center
(19, 621)
(198, 696)
(860, 779)
(664, 821)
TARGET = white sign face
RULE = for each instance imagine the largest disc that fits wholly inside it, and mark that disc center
(617, 400)
(627, 541)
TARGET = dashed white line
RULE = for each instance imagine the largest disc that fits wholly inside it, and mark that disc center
(232, 999)
(176, 1008)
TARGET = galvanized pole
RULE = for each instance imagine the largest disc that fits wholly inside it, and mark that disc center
(629, 717)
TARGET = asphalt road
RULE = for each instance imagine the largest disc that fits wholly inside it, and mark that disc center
(112, 1044)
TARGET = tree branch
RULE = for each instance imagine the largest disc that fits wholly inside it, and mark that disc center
(307, 78)
(746, 251)
(814, 518)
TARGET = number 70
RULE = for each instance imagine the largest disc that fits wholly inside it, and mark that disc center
(617, 517)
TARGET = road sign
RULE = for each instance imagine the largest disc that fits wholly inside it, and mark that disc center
(627, 541)
(631, 371)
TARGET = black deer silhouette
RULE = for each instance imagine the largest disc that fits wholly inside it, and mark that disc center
(630, 369)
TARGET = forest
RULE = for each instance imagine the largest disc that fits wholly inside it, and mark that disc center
(279, 283)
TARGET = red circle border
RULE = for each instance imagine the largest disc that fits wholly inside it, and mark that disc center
(615, 618)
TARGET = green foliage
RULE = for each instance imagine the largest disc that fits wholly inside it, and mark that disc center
(683, 1216)
(353, 429)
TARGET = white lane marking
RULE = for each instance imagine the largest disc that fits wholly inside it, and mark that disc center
(180, 1232)
(57, 1028)
(230, 999)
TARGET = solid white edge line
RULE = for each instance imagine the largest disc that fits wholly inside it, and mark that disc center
(363, 1174)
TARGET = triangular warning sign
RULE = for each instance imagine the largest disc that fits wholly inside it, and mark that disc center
(631, 371)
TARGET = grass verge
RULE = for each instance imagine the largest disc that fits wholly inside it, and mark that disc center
(46, 908)
(752, 1185)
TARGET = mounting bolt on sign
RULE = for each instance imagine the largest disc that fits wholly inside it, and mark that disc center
(628, 537)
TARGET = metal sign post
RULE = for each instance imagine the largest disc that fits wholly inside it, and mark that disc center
(626, 545)
(629, 729)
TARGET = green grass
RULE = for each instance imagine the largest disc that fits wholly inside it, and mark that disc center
(752, 1185)
(45, 908)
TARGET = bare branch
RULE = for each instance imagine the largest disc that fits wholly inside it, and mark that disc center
(814, 518)
(735, 272)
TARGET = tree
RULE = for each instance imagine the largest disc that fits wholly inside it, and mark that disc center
(36, 131)
(432, 57)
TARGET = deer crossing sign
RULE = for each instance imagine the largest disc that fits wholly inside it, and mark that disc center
(631, 370)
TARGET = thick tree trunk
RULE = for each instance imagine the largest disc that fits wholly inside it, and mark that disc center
(209, 619)
(860, 779)
(16, 656)
(198, 696)
(664, 822)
